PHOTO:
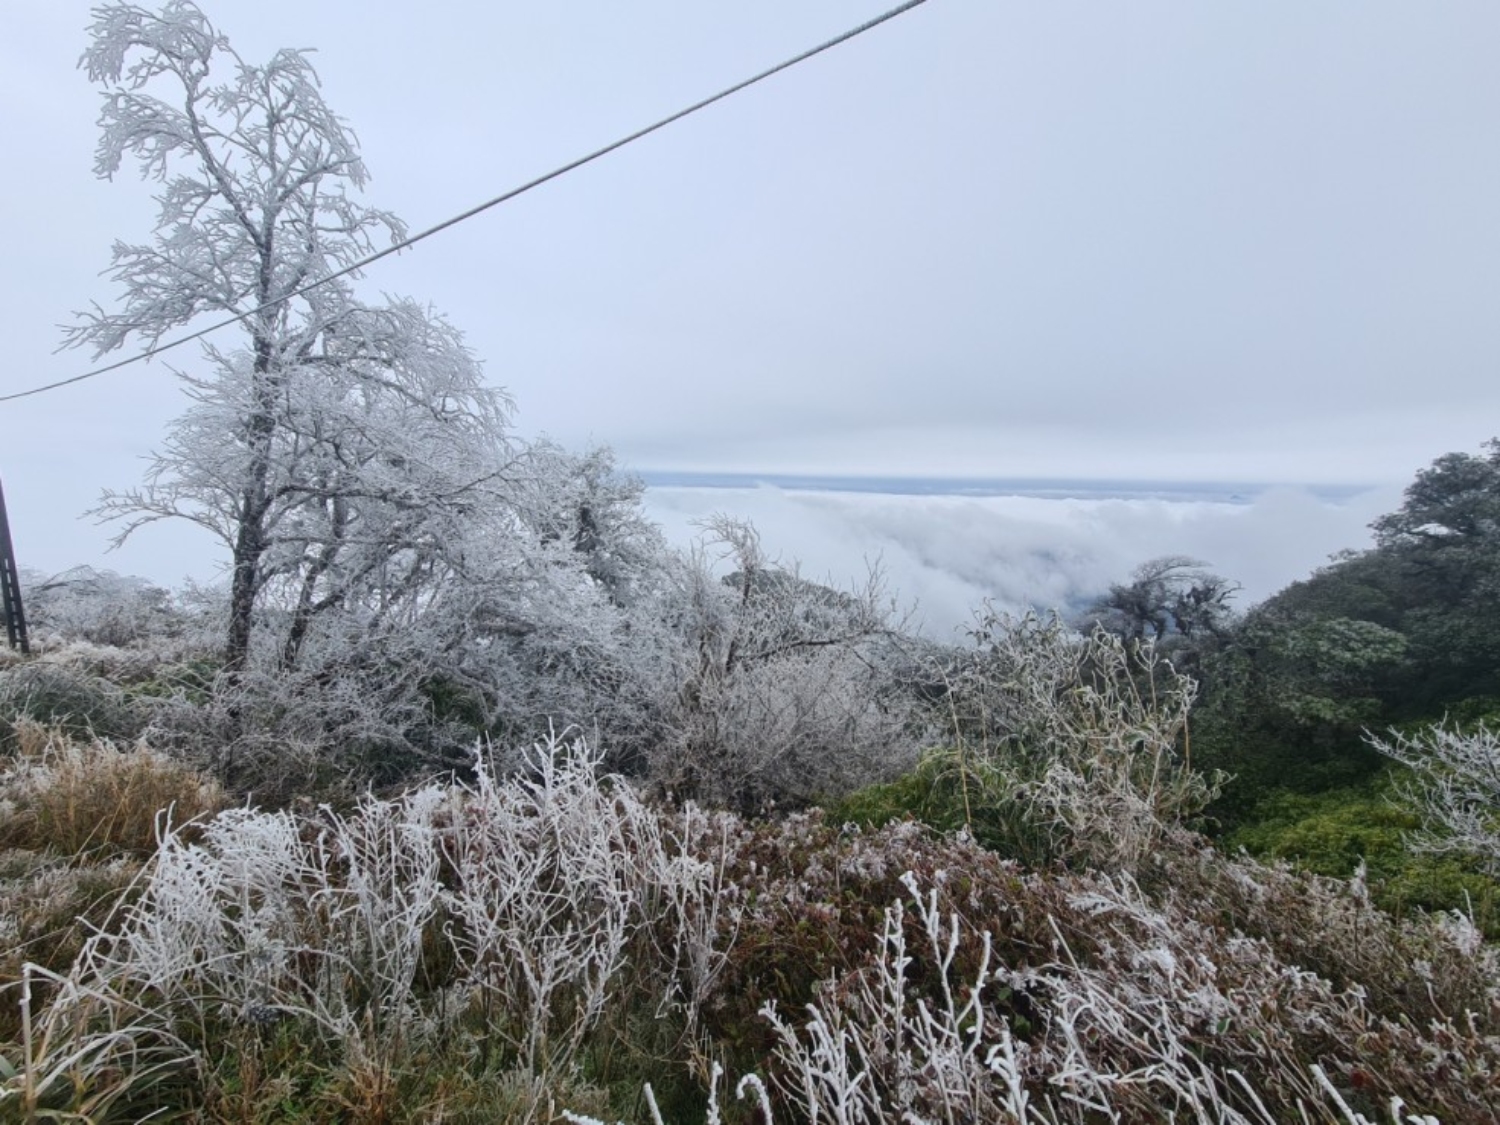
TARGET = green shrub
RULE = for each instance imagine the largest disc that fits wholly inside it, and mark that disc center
(948, 791)
(190, 680)
(1329, 833)
(1334, 832)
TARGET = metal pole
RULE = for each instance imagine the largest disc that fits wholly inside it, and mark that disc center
(10, 587)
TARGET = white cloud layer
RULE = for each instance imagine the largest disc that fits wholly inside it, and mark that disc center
(947, 554)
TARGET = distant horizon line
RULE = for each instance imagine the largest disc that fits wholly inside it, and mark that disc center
(1044, 487)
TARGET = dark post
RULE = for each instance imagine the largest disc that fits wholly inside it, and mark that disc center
(10, 587)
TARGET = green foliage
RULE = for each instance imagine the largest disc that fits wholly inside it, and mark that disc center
(191, 680)
(1314, 678)
(1334, 832)
(453, 703)
(1408, 632)
(1455, 502)
(1286, 702)
(1329, 833)
(948, 791)
(1262, 764)
(1334, 659)
(1466, 714)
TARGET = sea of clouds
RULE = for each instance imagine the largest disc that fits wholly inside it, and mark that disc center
(944, 555)
(941, 554)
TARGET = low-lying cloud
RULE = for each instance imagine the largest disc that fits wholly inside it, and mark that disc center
(945, 555)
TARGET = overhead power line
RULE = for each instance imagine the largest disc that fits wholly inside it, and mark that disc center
(481, 208)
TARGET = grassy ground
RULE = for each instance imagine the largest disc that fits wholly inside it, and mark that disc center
(518, 951)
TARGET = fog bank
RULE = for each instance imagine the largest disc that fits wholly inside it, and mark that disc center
(944, 555)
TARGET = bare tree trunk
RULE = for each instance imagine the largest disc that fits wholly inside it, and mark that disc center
(250, 539)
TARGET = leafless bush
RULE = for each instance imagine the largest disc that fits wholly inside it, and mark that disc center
(546, 899)
(563, 874)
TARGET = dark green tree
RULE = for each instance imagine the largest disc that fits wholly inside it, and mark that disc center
(1169, 596)
(1443, 545)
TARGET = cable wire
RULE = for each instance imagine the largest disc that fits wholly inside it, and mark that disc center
(481, 208)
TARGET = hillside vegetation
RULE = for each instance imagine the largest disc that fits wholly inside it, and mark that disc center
(466, 798)
(1008, 912)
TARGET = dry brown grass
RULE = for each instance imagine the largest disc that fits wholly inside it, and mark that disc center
(74, 799)
(77, 820)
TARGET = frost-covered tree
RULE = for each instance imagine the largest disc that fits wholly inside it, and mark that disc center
(585, 503)
(338, 449)
(1165, 597)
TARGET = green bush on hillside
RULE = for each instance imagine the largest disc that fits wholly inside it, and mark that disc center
(1332, 833)
(948, 791)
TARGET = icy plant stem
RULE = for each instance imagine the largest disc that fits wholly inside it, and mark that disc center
(29, 1087)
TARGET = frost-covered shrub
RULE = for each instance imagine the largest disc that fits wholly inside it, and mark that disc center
(1418, 968)
(530, 932)
(325, 733)
(510, 918)
(524, 641)
(265, 917)
(1143, 1036)
(56, 693)
(1134, 996)
(1456, 788)
(783, 691)
(983, 993)
(558, 878)
(101, 607)
(1086, 736)
(873, 1047)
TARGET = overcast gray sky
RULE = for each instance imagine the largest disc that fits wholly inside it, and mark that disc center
(1145, 240)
